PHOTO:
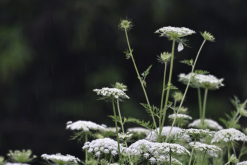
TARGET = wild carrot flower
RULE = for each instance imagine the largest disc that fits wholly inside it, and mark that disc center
(197, 132)
(229, 135)
(242, 163)
(174, 32)
(180, 116)
(138, 130)
(61, 159)
(84, 126)
(209, 149)
(111, 92)
(209, 123)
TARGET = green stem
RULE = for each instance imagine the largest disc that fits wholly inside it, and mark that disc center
(138, 75)
(86, 148)
(229, 153)
(240, 153)
(200, 102)
(204, 107)
(204, 157)
(170, 157)
(181, 103)
(116, 128)
(194, 160)
(192, 152)
(162, 98)
(168, 90)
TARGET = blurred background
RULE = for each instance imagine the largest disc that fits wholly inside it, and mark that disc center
(54, 53)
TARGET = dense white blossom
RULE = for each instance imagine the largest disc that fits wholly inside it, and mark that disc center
(201, 81)
(84, 126)
(104, 146)
(174, 32)
(175, 133)
(242, 163)
(111, 92)
(180, 116)
(229, 135)
(198, 132)
(209, 149)
(59, 157)
(138, 130)
(166, 159)
(124, 136)
(209, 123)
(9, 163)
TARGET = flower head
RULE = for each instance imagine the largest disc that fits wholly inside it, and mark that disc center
(164, 57)
(125, 24)
(177, 96)
(111, 92)
(125, 136)
(174, 32)
(180, 116)
(8, 163)
(196, 133)
(61, 159)
(84, 126)
(207, 36)
(242, 163)
(201, 81)
(209, 149)
(209, 123)
(23, 156)
(229, 135)
(138, 130)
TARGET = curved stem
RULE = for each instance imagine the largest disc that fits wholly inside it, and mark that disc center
(168, 90)
(116, 129)
(204, 107)
(138, 75)
(181, 103)
(200, 102)
(162, 98)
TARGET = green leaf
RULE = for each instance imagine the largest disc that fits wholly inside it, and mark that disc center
(146, 72)
(147, 125)
(187, 62)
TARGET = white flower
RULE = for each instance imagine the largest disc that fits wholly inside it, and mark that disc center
(9, 163)
(180, 116)
(174, 32)
(84, 126)
(111, 129)
(197, 133)
(58, 157)
(166, 159)
(109, 145)
(175, 133)
(138, 130)
(152, 160)
(229, 135)
(201, 81)
(111, 92)
(146, 155)
(211, 124)
(209, 149)
(242, 163)
(124, 136)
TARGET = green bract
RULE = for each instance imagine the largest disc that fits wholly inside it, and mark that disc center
(23, 156)
(207, 36)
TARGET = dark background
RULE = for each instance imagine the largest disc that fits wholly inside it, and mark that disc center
(54, 53)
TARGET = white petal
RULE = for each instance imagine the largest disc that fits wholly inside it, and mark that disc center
(180, 47)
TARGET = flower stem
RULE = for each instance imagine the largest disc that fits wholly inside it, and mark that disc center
(162, 98)
(192, 152)
(168, 90)
(116, 128)
(138, 75)
(204, 107)
(181, 103)
(170, 157)
(200, 102)
(204, 157)
(229, 153)
(86, 148)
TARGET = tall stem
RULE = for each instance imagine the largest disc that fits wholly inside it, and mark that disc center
(86, 148)
(181, 103)
(116, 129)
(204, 107)
(138, 75)
(192, 152)
(229, 153)
(200, 102)
(162, 98)
(204, 157)
(168, 90)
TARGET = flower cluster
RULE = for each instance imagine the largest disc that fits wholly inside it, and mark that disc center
(197, 132)
(242, 163)
(175, 133)
(111, 92)
(23, 156)
(229, 135)
(201, 81)
(174, 32)
(110, 129)
(138, 130)
(9, 163)
(209, 149)
(84, 126)
(209, 123)
(61, 158)
(180, 116)
(103, 146)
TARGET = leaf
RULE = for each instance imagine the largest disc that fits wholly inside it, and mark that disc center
(187, 62)
(201, 72)
(142, 123)
(146, 72)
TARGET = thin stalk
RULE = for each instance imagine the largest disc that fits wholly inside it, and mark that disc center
(170, 157)
(234, 151)
(240, 153)
(229, 153)
(237, 119)
(138, 75)
(204, 107)
(168, 90)
(192, 152)
(162, 96)
(181, 103)
(200, 102)
(194, 160)
(204, 157)
(86, 148)
(116, 129)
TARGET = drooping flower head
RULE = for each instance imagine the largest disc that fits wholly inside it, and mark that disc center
(111, 92)
(201, 81)
(229, 135)
(174, 32)
(61, 159)
(84, 126)
(208, 123)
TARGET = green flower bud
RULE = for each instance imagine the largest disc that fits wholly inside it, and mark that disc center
(177, 96)
(164, 57)
(125, 24)
(233, 159)
(207, 36)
